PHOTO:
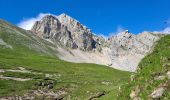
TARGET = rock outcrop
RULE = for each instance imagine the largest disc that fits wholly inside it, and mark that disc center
(66, 31)
(158, 93)
(51, 28)
(128, 49)
(123, 51)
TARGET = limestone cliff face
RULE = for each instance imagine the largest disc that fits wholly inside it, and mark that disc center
(80, 33)
(123, 51)
(66, 30)
(50, 28)
(128, 49)
(125, 43)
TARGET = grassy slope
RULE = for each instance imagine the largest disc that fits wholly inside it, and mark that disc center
(150, 66)
(85, 77)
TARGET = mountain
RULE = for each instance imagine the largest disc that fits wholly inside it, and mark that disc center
(31, 70)
(65, 30)
(123, 51)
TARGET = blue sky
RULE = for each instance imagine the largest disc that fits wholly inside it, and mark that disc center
(102, 16)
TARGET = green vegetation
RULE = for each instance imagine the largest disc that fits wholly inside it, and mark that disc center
(22, 75)
(11, 88)
(154, 65)
(81, 80)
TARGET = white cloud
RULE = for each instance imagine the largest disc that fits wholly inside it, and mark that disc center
(166, 30)
(118, 30)
(29, 22)
(104, 36)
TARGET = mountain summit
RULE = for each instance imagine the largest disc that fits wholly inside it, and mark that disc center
(66, 31)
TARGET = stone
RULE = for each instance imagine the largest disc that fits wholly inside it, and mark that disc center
(97, 95)
(168, 74)
(50, 86)
(106, 83)
(132, 77)
(158, 93)
(159, 77)
(134, 93)
(2, 70)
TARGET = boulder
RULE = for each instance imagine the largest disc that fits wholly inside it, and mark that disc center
(158, 93)
(134, 93)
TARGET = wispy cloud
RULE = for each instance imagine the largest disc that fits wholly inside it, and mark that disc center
(104, 36)
(118, 30)
(29, 22)
(167, 29)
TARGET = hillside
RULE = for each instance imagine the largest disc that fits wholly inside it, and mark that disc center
(152, 79)
(30, 69)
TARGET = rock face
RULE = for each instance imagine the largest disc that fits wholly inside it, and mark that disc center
(127, 49)
(80, 34)
(65, 30)
(51, 28)
(123, 51)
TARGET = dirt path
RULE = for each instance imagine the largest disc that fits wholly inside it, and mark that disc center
(13, 78)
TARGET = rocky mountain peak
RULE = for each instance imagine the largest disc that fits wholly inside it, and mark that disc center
(65, 30)
(72, 24)
(65, 18)
(47, 17)
(125, 34)
(47, 26)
